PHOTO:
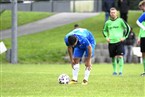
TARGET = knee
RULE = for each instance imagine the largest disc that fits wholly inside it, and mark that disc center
(119, 56)
(76, 61)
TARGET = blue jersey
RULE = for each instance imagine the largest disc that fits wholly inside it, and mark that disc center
(85, 38)
(142, 18)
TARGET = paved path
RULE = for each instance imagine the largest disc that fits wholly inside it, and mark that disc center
(47, 23)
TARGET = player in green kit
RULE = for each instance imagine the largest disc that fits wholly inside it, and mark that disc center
(141, 37)
(116, 30)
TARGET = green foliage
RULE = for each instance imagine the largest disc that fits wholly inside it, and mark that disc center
(23, 18)
(27, 80)
(132, 18)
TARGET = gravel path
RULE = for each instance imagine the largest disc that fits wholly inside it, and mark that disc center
(47, 23)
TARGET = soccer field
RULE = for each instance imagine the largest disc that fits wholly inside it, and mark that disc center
(41, 81)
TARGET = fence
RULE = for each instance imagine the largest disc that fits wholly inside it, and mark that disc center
(64, 6)
(58, 6)
(102, 55)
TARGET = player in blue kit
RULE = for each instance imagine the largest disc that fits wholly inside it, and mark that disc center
(141, 37)
(80, 42)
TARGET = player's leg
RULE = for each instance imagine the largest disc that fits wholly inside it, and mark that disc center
(125, 16)
(120, 53)
(75, 71)
(78, 53)
(87, 69)
(121, 64)
(112, 52)
(142, 45)
(106, 16)
(143, 56)
(87, 72)
(130, 54)
(143, 59)
(126, 53)
(86, 76)
(114, 63)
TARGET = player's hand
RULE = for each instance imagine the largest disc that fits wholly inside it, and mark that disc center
(108, 40)
(138, 41)
(89, 67)
(88, 64)
(72, 63)
(122, 39)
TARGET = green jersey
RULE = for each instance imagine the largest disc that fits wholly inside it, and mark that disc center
(115, 30)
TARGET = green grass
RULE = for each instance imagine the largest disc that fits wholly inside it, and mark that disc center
(23, 18)
(28, 80)
(49, 47)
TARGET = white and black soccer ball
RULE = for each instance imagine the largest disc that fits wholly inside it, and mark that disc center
(63, 79)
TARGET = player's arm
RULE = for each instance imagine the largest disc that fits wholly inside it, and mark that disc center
(105, 32)
(88, 61)
(140, 25)
(70, 52)
(140, 20)
(139, 36)
(126, 30)
(89, 47)
(89, 51)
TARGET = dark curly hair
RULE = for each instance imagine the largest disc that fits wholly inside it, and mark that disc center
(72, 40)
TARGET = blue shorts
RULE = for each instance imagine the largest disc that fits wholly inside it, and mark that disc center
(78, 52)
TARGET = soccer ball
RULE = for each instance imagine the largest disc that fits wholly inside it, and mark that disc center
(63, 79)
